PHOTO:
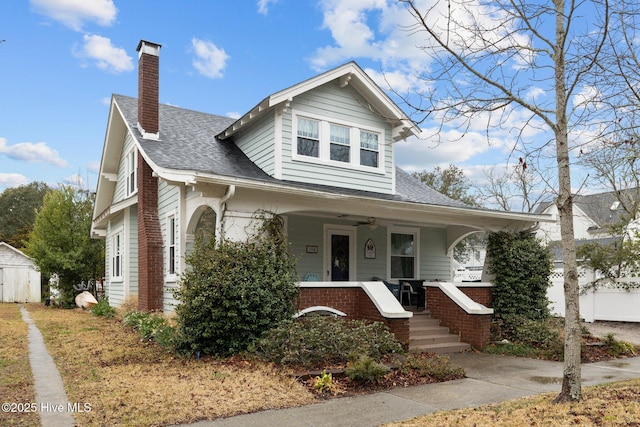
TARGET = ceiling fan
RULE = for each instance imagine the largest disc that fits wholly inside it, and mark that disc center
(371, 222)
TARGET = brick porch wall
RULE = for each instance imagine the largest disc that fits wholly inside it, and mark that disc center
(355, 303)
(472, 328)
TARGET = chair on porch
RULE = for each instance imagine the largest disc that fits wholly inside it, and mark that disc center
(409, 292)
(312, 277)
(393, 287)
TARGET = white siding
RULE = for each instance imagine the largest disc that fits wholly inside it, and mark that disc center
(346, 105)
(114, 289)
(169, 204)
(119, 193)
(258, 143)
(434, 262)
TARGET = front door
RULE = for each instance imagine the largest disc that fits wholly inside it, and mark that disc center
(339, 257)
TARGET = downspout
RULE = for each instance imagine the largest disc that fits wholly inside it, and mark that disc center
(222, 207)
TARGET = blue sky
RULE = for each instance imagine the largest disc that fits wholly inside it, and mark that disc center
(62, 60)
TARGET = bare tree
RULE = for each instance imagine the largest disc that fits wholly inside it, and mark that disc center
(538, 60)
(518, 188)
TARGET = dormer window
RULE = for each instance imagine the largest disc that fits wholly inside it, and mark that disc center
(308, 137)
(340, 145)
(330, 141)
(368, 148)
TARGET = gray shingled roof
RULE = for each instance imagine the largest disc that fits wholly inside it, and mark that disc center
(598, 206)
(188, 143)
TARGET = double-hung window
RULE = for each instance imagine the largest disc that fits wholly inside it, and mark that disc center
(116, 256)
(403, 253)
(369, 148)
(308, 137)
(131, 172)
(340, 147)
(171, 245)
(331, 141)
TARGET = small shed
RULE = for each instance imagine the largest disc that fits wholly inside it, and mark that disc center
(19, 276)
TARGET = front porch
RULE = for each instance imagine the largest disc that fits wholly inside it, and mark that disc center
(451, 322)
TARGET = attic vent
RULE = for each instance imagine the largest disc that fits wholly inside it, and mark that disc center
(615, 205)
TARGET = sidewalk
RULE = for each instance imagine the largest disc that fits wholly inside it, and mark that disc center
(51, 398)
(490, 379)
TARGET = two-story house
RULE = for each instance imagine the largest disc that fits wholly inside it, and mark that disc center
(320, 153)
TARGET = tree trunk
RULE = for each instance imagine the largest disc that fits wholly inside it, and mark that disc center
(571, 380)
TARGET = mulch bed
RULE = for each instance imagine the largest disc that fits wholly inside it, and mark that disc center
(344, 386)
(593, 350)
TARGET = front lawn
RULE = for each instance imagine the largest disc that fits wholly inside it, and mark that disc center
(128, 381)
(16, 381)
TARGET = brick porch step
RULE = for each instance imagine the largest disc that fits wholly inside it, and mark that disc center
(426, 334)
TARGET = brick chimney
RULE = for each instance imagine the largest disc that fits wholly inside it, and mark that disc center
(148, 89)
(150, 252)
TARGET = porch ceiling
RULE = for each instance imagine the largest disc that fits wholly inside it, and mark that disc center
(459, 221)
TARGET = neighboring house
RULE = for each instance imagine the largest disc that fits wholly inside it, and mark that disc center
(319, 153)
(19, 276)
(593, 214)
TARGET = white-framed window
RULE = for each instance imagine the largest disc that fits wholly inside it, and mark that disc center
(131, 160)
(369, 148)
(172, 246)
(308, 141)
(340, 146)
(117, 256)
(404, 252)
(332, 141)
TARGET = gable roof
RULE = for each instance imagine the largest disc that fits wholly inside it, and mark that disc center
(8, 249)
(188, 149)
(601, 208)
(348, 74)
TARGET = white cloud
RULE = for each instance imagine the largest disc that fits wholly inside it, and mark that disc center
(75, 180)
(11, 180)
(75, 13)
(106, 56)
(417, 154)
(263, 6)
(210, 60)
(32, 153)
(234, 114)
(93, 166)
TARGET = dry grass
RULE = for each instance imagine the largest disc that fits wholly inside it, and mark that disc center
(129, 382)
(16, 381)
(615, 404)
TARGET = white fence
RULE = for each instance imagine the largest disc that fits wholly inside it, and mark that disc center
(603, 304)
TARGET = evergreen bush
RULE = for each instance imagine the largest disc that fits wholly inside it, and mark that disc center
(313, 340)
(521, 266)
(234, 291)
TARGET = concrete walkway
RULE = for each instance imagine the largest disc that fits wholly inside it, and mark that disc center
(490, 379)
(50, 395)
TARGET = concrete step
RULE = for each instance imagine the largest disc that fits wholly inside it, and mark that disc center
(426, 334)
(441, 348)
(427, 330)
(433, 339)
(426, 322)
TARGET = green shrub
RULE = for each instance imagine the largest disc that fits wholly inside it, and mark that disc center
(521, 266)
(312, 340)
(235, 291)
(150, 326)
(366, 370)
(324, 383)
(438, 367)
(527, 337)
(103, 309)
(618, 348)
